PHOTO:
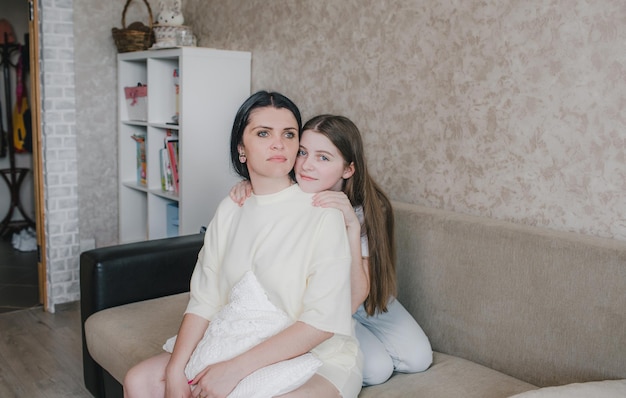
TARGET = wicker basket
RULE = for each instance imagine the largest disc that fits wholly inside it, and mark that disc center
(135, 37)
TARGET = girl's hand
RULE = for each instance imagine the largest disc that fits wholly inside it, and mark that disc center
(240, 192)
(340, 201)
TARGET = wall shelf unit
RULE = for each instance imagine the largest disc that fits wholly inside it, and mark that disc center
(212, 84)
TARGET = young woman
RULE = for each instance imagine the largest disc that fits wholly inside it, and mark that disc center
(331, 161)
(300, 255)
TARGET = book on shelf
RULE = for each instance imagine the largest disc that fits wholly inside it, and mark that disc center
(171, 160)
(176, 80)
(167, 183)
(142, 174)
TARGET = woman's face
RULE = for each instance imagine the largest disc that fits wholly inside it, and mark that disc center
(319, 165)
(270, 142)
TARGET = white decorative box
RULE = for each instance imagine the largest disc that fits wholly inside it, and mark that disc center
(165, 35)
(137, 102)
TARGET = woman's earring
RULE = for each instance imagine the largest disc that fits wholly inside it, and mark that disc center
(242, 158)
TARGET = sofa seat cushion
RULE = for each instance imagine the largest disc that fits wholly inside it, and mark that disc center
(120, 337)
(595, 389)
(449, 377)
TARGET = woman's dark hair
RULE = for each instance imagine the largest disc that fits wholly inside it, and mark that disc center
(260, 99)
(363, 191)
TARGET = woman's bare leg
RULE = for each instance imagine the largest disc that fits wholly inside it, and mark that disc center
(147, 378)
(316, 387)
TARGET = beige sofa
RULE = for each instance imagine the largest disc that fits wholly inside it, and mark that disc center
(508, 309)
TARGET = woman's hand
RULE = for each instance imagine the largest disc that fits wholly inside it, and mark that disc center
(240, 192)
(217, 380)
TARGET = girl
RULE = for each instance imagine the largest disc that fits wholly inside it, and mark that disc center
(299, 254)
(331, 162)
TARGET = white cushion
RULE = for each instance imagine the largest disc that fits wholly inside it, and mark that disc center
(592, 389)
(248, 319)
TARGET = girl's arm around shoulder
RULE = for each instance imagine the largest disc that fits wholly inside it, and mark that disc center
(240, 192)
(339, 200)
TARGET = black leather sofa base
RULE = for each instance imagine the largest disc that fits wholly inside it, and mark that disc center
(123, 274)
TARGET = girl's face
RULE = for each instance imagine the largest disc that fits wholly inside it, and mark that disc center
(270, 143)
(319, 165)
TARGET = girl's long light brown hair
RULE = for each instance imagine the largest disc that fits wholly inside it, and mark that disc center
(362, 190)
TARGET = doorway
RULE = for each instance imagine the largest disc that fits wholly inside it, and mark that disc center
(22, 268)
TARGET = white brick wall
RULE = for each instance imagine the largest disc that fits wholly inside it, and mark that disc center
(59, 151)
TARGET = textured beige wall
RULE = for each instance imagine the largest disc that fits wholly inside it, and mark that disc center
(514, 110)
(96, 113)
(508, 109)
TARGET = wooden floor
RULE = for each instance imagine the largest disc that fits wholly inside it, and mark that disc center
(41, 353)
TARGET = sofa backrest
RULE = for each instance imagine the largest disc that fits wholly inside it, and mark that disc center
(544, 306)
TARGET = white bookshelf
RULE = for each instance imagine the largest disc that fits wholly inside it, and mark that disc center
(213, 84)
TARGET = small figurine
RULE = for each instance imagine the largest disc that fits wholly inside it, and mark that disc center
(172, 15)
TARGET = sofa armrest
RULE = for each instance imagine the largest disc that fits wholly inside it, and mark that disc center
(118, 275)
